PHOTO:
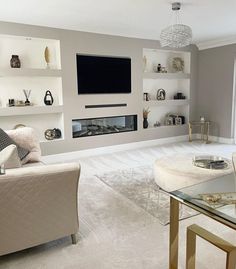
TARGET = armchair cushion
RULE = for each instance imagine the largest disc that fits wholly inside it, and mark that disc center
(9, 157)
(27, 138)
(6, 140)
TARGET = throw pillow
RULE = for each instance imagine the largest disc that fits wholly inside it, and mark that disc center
(27, 138)
(9, 157)
(6, 140)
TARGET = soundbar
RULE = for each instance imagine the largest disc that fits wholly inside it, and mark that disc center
(105, 105)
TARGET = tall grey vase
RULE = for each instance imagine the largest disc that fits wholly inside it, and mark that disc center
(145, 123)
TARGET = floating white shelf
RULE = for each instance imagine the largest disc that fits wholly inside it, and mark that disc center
(30, 110)
(52, 141)
(29, 72)
(149, 75)
(166, 126)
(182, 102)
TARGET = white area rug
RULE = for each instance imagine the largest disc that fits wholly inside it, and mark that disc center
(138, 185)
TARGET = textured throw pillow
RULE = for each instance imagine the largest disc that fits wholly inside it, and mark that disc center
(9, 157)
(6, 140)
(27, 138)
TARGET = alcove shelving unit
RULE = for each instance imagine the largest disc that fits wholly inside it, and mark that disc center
(27, 72)
(152, 75)
(33, 75)
(31, 110)
(169, 102)
(172, 82)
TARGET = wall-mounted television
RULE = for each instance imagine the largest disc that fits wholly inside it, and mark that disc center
(103, 75)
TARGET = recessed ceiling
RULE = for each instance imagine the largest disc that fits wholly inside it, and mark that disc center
(209, 19)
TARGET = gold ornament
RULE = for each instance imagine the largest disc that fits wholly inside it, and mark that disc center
(47, 56)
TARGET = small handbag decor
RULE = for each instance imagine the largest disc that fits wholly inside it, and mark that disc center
(48, 99)
(51, 134)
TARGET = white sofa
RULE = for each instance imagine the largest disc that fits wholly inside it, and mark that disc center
(39, 204)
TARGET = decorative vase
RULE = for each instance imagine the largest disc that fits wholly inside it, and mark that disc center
(15, 61)
(145, 123)
(48, 99)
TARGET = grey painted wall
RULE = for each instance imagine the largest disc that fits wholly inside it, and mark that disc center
(73, 42)
(215, 88)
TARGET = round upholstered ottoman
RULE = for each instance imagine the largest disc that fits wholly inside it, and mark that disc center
(175, 172)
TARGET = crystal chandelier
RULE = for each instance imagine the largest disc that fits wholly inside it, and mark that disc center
(176, 35)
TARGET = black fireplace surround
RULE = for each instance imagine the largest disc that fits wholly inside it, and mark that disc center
(103, 125)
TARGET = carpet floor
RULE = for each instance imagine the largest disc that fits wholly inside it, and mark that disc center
(114, 231)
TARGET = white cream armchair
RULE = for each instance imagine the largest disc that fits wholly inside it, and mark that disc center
(37, 205)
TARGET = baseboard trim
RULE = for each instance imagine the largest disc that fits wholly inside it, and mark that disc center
(112, 149)
(222, 140)
(218, 139)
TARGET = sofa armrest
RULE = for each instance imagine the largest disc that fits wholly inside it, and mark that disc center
(38, 204)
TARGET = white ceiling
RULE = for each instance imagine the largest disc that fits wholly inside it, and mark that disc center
(209, 19)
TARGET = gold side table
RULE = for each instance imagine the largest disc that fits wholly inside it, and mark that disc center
(204, 128)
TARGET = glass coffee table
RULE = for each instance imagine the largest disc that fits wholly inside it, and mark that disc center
(210, 204)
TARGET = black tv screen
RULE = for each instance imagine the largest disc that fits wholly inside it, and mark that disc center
(99, 74)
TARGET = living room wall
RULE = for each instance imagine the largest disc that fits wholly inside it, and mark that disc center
(216, 88)
(73, 42)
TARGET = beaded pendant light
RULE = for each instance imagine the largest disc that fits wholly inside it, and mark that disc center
(176, 35)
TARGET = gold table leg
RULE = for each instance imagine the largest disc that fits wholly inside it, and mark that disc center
(174, 234)
(231, 260)
(189, 132)
(193, 231)
(207, 133)
(190, 249)
(202, 131)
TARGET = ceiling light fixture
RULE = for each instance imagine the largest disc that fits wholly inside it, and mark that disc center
(176, 35)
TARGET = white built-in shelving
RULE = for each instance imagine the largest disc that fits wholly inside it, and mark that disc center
(172, 82)
(33, 75)
(154, 75)
(29, 72)
(30, 51)
(166, 127)
(30, 110)
(166, 103)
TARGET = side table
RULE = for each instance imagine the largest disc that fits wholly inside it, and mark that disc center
(204, 128)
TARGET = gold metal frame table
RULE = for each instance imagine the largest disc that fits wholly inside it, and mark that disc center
(204, 128)
(225, 214)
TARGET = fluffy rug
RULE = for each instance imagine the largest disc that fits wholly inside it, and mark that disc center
(138, 185)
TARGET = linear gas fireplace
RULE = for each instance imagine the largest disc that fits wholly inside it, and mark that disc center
(105, 125)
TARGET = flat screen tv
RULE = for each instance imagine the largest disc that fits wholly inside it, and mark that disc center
(99, 74)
